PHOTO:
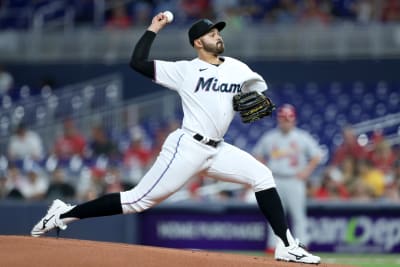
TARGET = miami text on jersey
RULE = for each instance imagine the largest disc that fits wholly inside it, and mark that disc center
(213, 84)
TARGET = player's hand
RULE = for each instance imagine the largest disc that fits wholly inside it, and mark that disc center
(303, 175)
(158, 22)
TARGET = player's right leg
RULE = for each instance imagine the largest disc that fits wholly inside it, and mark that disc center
(295, 252)
(181, 158)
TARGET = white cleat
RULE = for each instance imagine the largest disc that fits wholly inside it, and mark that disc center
(52, 219)
(294, 253)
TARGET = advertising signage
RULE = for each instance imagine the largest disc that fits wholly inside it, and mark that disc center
(332, 228)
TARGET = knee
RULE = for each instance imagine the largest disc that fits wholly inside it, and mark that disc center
(133, 203)
(265, 182)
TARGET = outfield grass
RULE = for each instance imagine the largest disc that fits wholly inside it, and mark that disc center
(362, 260)
(358, 260)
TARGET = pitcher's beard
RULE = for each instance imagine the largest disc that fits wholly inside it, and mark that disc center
(220, 48)
(216, 49)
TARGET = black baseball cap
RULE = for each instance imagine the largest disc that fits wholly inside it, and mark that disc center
(203, 26)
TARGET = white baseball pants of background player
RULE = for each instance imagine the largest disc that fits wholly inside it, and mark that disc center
(181, 158)
(293, 194)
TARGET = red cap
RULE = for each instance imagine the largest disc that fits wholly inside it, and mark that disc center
(287, 111)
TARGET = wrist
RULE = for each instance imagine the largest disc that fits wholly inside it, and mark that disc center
(153, 29)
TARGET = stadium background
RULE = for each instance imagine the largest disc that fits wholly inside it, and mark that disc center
(336, 61)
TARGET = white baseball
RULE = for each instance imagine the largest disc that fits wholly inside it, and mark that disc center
(169, 15)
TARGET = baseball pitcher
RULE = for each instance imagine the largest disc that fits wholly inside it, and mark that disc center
(212, 88)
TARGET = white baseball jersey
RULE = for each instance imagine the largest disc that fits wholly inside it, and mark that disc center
(287, 154)
(206, 92)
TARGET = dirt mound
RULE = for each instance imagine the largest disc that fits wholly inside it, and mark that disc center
(39, 252)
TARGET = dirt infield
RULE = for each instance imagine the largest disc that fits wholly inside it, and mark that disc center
(23, 251)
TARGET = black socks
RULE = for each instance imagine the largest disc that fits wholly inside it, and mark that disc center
(268, 201)
(103, 206)
(271, 206)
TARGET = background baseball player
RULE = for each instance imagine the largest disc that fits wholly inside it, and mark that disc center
(207, 86)
(292, 154)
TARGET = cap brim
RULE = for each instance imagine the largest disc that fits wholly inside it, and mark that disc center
(219, 25)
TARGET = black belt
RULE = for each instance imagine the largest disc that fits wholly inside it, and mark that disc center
(210, 142)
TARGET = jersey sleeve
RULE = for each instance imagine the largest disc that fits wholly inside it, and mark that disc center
(253, 80)
(256, 83)
(169, 74)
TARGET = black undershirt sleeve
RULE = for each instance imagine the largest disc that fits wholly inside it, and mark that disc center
(140, 56)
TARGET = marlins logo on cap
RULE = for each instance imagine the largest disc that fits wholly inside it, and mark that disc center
(202, 27)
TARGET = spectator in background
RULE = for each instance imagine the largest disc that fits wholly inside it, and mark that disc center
(6, 81)
(348, 148)
(25, 143)
(160, 134)
(70, 143)
(344, 173)
(91, 184)
(371, 178)
(392, 190)
(365, 11)
(119, 18)
(391, 11)
(114, 181)
(59, 187)
(35, 184)
(381, 155)
(292, 155)
(314, 11)
(232, 11)
(143, 10)
(138, 157)
(14, 182)
(100, 144)
(3, 185)
(195, 9)
(285, 12)
(330, 189)
(46, 86)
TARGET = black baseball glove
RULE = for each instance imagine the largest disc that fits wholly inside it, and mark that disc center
(252, 106)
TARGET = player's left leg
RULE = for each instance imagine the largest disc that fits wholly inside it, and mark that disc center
(235, 165)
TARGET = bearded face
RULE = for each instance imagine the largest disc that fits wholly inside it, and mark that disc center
(216, 48)
(213, 43)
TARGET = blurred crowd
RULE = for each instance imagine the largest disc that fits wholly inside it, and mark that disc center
(359, 171)
(76, 166)
(128, 13)
(239, 12)
(80, 167)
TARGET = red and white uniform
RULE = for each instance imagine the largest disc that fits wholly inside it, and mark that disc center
(287, 155)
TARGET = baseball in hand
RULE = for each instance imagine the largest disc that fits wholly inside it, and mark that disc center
(169, 15)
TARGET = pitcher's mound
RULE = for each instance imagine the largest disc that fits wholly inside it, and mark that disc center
(26, 251)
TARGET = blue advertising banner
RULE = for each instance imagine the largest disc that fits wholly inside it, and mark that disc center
(204, 231)
(332, 227)
(356, 228)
